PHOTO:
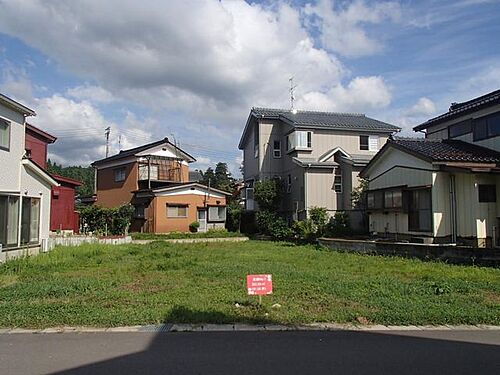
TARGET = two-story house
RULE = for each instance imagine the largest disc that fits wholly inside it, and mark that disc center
(24, 187)
(63, 216)
(444, 187)
(317, 155)
(154, 178)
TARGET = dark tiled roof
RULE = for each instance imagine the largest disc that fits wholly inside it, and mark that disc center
(334, 120)
(135, 150)
(460, 109)
(447, 150)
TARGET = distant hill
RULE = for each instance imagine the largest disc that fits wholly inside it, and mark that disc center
(83, 174)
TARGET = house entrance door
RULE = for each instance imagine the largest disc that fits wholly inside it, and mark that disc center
(202, 219)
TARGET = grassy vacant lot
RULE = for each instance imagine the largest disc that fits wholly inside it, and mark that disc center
(99, 285)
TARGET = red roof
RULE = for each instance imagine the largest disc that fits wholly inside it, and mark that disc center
(40, 133)
(67, 180)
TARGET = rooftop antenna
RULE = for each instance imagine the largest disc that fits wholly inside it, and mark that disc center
(106, 133)
(292, 95)
(120, 142)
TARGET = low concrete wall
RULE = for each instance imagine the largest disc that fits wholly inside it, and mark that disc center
(446, 253)
(79, 240)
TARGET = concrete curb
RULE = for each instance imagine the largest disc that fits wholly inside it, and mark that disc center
(164, 328)
(194, 240)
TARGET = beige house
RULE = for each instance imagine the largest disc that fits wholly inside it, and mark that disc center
(317, 155)
(442, 188)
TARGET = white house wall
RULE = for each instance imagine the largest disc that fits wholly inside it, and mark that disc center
(441, 208)
(10, 161)
(33, 187)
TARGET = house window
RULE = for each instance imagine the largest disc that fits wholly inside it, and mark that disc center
(487, 193)
(301, 139)
(368, 143)
(277, 149)
(375, 200)
(217, 213)
(337, 181)
(486, 127)
(393, 199)
(30, 220)
(363, 142)
(461, 128)
(4, 135)
(120, 174)
(420, 210)
(9, 220)
(289, 183)
(180, 210)
(153, 172)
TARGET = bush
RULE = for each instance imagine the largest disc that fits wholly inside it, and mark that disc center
(319, 216)
(306, 230)
(194, 226)
(234, 212)
(268, 194)
(339, 225)
(273, 225)
(105, 221)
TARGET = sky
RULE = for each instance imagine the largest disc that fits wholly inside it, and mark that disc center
(191, 70)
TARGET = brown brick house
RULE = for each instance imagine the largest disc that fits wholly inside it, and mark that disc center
(155, 179)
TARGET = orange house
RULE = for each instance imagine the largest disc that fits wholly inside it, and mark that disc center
(155, 179)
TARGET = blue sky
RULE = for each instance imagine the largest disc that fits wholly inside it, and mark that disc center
(191, 69)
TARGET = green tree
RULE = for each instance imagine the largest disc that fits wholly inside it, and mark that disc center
(268, 194)
(82, 174)
(223, 179)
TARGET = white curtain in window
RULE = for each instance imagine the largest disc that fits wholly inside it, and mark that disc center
(4, 134)
(35, 220)
(301, 139)
(12, 220)
(217, 213)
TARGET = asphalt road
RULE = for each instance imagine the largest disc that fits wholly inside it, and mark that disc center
(310, 352)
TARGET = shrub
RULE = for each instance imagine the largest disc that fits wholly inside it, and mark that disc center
(234, 212)
(319, 216)
(339, 225)
(306, 230)
(194, 226)
(268, 194)
(101, 220)
(273, 225)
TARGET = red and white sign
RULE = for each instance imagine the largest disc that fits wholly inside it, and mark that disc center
(259, 284)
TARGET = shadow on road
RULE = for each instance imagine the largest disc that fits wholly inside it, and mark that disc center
(297, 352)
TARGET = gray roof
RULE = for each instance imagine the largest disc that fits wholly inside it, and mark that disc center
(311, 162)
(333, 120)
(16, 105)
(447, 150)
(460, 109)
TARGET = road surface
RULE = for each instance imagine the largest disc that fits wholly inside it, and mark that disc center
(307, 352)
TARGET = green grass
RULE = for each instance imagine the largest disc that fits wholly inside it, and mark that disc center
(213, 233)
(97, 285)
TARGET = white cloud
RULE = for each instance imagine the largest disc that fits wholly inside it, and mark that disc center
(341, 24)
(92, 93)
(423, 107)
(226, 56)
(360, 94)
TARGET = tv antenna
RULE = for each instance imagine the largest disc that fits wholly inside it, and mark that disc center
(292, 95)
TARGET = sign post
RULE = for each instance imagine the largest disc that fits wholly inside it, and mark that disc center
(259, 285)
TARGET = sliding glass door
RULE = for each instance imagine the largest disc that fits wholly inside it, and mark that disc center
(9, 220)
(30, 221)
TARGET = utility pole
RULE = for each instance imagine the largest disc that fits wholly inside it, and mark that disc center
(292, 95)
(106, 133)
